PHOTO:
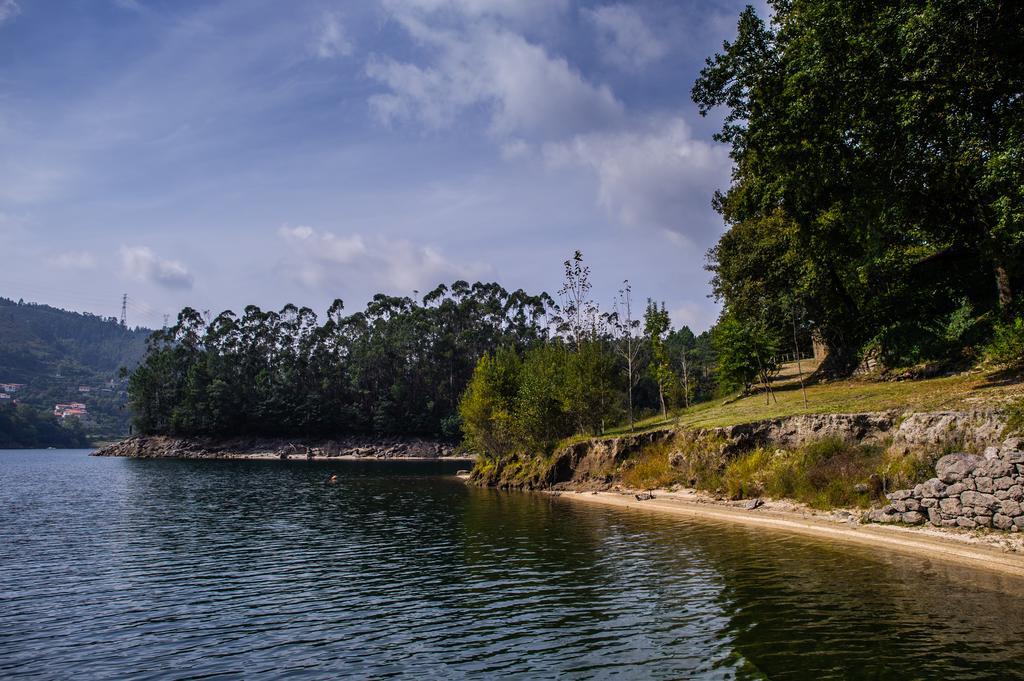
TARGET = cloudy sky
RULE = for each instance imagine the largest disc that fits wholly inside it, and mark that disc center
(217, 154)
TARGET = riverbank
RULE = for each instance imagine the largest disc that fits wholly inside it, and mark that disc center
(998, 552)
(261, 449)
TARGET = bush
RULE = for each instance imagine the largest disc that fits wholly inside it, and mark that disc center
(1014, 419)
(1007, 345)
(650, 469)
(824, 474)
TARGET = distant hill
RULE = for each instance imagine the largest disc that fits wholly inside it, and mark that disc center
(62, 357)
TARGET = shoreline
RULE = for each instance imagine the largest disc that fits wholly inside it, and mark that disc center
(270, 456)
(963, 549)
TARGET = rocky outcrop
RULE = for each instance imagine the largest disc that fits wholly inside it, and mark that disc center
(968, 491)
(936, 429)
(905, 433)
(795, 431)
(157, 446)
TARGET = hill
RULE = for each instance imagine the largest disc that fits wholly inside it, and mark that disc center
(54, 356)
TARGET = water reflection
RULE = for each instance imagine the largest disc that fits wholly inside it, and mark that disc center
(123, 568)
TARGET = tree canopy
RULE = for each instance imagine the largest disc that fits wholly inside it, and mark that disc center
(879, 168)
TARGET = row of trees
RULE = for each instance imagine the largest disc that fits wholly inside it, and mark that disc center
(878, 185)
(540, 369)
(397, 367)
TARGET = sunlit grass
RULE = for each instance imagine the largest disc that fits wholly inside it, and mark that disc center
(853, 395)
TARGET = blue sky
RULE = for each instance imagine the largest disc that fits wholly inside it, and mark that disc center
(217, 154)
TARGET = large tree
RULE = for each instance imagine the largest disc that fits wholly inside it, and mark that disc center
(879, 163)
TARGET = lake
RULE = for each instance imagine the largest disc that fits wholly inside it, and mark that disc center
(121, 568)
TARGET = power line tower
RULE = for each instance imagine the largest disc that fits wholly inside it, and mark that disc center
(124, 310)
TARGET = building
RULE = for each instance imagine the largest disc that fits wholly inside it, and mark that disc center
(11, 387)
(71, 409)
(84, 389)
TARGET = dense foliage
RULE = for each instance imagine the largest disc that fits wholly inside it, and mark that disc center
(55, 352)
(879, 173)
(22, 427)
(398, 367)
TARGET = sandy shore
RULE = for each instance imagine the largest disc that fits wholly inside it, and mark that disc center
(996, 551)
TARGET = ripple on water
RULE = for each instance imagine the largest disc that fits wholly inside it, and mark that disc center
(147, 569)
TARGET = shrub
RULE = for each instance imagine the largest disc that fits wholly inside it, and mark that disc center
(650, 468)
(1014, 419)
(823, 474)
(1007, 345)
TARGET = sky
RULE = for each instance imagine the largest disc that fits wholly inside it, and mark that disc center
(219, 154)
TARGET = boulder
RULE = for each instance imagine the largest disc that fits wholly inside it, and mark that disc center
(966, 523)
(1011, 508)
(1004, 483)
(950, 506)
(979, 499)
(913, 518)
(955, 467)
(933, 488)
(983, 484)
(1002, 522)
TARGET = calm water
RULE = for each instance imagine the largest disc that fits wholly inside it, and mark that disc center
(115, 568)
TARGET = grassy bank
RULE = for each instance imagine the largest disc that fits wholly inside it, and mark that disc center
(962, 391)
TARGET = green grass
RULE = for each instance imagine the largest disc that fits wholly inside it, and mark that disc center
(852, 395)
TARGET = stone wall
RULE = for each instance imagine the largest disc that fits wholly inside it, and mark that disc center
(968, 491)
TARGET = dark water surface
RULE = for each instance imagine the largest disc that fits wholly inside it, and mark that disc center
(116, 568)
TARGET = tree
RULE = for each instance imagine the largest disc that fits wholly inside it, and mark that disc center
(627, 345)
(656, 325)
(878, 165)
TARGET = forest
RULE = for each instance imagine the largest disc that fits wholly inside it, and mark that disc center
(876, 208)
(398, 367)
(54, 352)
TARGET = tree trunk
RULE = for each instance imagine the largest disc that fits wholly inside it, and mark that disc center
(1003, 286)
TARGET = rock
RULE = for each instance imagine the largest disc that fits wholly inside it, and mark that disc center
(955, 467)
(966, 523)
(929, 503)
(1001, 494)
(991, 453)
(983, 484)
(913, 518)
(979, 499)
(1003, 483)
(861, 488)
(899, 506)
(996, 468)
(934, 517)
(752, 504)
(912, 504)
(968, 483)
(951, 506)
(1011, 508)
(1013, 444)
(983, 520)
(1016, 492)
(1019, 522)
(899, 495)
(880, 516)
(1002, 522)
(949, 523)
(955, 489)
(933, 488)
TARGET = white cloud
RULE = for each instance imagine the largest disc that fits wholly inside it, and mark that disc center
(524, 89)
(8, 10)
(331, 39)
(626, 40)
(697, 316)
(525, 12)
(80, 260)
(320, 259)
(142, 264)
(657, 177)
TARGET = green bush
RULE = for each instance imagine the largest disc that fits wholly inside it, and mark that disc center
(1007, 345)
